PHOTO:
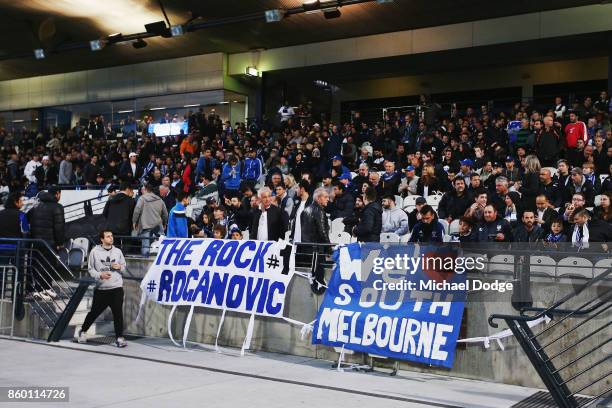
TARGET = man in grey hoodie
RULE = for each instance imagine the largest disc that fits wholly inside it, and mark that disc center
(150, 217)
(393, 219)
(65, 170)
(106, 264)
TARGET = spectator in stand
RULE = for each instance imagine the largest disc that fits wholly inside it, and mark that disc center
(236, 234)
(547, 142)
(302, 201)
(498, 200)
(545, 212)
(374, 182)
(283, 201)
(476, 211)
(603, 211)
(588, 172)
(574, 131)
(549, 188)
(238, 216)
(269, 222)
(29, 173)
(579, 184)
(467, 230)
(370, 224)
(343, 202)
(219, 232)
(167, 195)
(65, 170)
(91, 170)
(315, 229)
(428, 183)
(556, 233)
(529, 231)
(428, 229)
(409, 183)
(559, 109)
(414, 216)
(286, 112)
(230, 176)
(47, 219)
(577, 204)
(530, 184)
(390, 179)
(394, 219)
(188, 146)
(253, 169)
(177, 219)
(587, 231)
(456, 202)
(46, 174)
(130, 169)
(119, 210)
(513, 211)
(150, 217)
(14, 222)
(493, 229)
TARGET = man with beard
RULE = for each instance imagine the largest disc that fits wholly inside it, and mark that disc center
(370, 225)
(428, 229)
(494, 229)
(454, 203)
(394, 219)
(529, 230)
(390, 179)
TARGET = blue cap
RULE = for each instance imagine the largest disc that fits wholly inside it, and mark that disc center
(467, 162)
(509, 159)
(409, 168)
(337, 157)
(344, 176)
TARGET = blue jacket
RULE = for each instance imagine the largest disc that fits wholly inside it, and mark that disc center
(252, 169)
(201, 166)
(177, 222)
(231, 182)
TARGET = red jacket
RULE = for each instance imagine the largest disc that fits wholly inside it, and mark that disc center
(574, 132)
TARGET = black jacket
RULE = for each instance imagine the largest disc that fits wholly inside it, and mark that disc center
(296, 206)
(521, 234)
(529, 189)
(342, 206)
(277, 223)
(587, 189)
(451, 205)
(47, 220)
(118, 212)
(599, 231)
(370, 224)
(315, 227)
(488, 230)
(125, 171)
(10, 225)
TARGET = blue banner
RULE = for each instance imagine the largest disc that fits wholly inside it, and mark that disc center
(400, 301)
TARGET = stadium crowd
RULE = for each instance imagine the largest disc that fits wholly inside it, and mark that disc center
(525, 175)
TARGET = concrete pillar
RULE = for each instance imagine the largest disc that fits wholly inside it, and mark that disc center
(527, 93)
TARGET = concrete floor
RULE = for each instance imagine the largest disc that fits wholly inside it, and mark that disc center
(155, 373)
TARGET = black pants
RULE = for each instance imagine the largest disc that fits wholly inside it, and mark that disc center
(102, 299)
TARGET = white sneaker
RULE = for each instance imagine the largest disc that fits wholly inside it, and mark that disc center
(120, 342)
(51, 293)
(82, 337)
(41, 295)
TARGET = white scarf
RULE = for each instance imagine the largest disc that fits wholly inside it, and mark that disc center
(584, 243)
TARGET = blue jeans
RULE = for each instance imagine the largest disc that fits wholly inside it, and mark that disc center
(146, 243)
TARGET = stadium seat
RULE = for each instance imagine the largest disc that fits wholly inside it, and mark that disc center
(602, 266)
(453, 228)
(245, 235)
(353, 175)
(337, 225)
(445, 225)
(603, 177)
(389, 237)
(340, 238)
(575, 267)
(82, 243)
(405, 238)
(399, 201)
(76, 258)
(501, 263)
(542, 265)
(410, 201)
(434, 200)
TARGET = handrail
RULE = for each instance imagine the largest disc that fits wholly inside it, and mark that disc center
(85, 201)
(550, 310)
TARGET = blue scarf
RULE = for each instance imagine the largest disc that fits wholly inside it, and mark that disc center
(554, 237)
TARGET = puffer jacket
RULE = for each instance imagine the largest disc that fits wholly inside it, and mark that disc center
(314, 223)
(47, 220)
(370, 224)
(118, 212)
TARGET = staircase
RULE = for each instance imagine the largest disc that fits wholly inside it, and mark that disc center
(571, 354)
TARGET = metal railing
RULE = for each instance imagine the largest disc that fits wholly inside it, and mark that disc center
(569, 354)
(8, 298)
(38, 277)
(75, 211)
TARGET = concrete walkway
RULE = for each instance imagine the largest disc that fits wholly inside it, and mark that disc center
(155, 373)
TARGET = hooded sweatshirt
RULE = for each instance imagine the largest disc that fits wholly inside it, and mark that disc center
(150, 212)
(395, 220)
(100, 260)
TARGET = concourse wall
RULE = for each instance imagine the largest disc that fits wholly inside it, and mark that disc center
(509, 366)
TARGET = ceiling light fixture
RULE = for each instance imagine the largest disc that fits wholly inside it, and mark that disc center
(176, 30)
(97, 45)
(274, 16)
(191, 105)
(252, 71)
(160, 108)
(158, 28)
(39, 53)
(125, 111)
(311, 5)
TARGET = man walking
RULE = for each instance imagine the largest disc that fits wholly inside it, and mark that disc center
(150, 217)
(106, 265)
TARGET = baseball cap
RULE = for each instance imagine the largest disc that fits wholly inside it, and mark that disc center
(409, 168)
(509, 159)
(132, 154)
(45, 158)
(211, 200)
(344, 176)
(337, 157)
(467, 162)
(420, 200)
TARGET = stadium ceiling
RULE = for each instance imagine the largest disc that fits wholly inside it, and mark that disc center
(26, 25)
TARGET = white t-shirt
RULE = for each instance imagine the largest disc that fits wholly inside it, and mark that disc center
(286, 112)
(297, 234)
(262, 229)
